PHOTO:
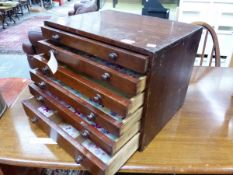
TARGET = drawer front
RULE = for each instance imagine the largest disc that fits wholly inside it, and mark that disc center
(131, 85)
(113, 125)
(97, 162)
(133, 61)
(74, 148)
(118, 104)
(88, 131)
(100, 136)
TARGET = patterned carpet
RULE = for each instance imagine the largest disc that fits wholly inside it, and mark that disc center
(13, 37)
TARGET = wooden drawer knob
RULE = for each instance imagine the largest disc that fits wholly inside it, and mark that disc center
(78, 159)
(34, 119)
(85, 133)
(55, 37)
(105, 76)
(91, 116)
(97, 98)
(42, 84)
(45, 70)
(40, 98)
(54, 52)
(112, 56)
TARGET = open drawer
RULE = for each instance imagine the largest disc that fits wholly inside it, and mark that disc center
(84, 151)
(100, 136)
(129, 82)
(104, 96)
(134, 61)
(94, 112)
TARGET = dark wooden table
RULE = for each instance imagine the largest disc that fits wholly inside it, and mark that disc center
(198, 139)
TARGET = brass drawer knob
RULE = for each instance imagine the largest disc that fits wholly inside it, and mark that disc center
(97, 98)
(40, 98)
(78, 159)
(105, 76)
(113, 56)
(34, 119)
(91, 116)
(42, 84)
(55, 37)
(85, 133)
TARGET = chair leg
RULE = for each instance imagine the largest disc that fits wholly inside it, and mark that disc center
(10, 14)
(21, 8)
(28, 8)
(3, 22)
(2, 19)
(114, 2)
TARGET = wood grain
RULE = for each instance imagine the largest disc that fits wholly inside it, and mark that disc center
(94, 135)
(73, 147)
(130, 85)
(116, 28)
(167, 85)
(101, 118)
(134, 61)
(170, 49)
(11, 87)
(103, 141)
(197, 140)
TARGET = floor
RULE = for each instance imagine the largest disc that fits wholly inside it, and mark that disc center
(15, 65)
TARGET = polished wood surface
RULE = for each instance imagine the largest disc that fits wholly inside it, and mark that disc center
(167, 84)
(143, 34)
(94, 134)
(107, 98)
(101, 118)
(74, 145)
(198, 139)
(129, 85)
(165, 54)
(134, 61)
(215, 52)
(100, 139)
(11, 87)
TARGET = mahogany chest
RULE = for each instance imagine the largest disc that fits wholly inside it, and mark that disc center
(120, 78)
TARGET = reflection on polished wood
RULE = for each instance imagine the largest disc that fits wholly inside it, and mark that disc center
(11, 87)
(198, 139)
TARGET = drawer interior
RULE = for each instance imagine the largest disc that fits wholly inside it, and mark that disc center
(102, 116)
(116, 55)
(127, 81)
(93, 104)
(82, 149)
(99, 135)
(109, 98)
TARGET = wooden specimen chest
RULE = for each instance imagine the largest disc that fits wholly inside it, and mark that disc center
(120, 78)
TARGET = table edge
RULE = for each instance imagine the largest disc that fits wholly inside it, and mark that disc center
(125, 169)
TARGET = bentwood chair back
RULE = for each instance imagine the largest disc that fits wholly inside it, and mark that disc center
(208, 47)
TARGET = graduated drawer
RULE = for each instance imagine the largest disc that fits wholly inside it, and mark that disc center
(125, 58)
(80, 148)
(118, 104)
(100, 136)
(129, 82)
(115, 125)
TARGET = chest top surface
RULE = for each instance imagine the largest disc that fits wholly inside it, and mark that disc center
(135, 32)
